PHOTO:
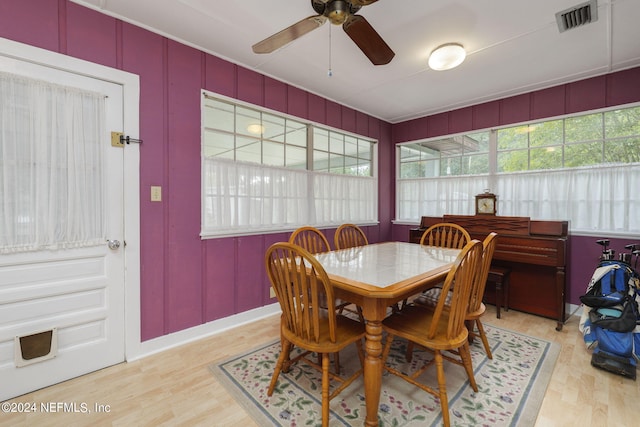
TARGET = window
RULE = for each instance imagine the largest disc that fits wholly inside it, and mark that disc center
(455, 155)
(336, 152)
(51, 166)
(583, 168)
(264, 171)
(593, 139)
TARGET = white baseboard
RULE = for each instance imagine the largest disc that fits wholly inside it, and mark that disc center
(574, 310)
(166, 342)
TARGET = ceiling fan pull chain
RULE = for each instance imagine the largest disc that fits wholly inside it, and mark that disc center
(330, 72)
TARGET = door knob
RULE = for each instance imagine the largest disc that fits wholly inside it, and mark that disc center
(113, 244)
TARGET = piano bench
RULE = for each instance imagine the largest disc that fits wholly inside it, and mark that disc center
(499, 276)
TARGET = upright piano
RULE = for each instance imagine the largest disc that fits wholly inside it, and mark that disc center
(536, 252)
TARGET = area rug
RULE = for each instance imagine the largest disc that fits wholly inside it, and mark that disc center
(510, 387)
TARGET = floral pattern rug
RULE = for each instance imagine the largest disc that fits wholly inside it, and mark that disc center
(510, 387)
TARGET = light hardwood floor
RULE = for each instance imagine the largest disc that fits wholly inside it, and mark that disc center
(176, 388)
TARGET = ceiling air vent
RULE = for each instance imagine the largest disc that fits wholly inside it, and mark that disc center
(578, 15)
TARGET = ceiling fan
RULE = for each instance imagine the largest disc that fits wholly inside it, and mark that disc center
(338, 12)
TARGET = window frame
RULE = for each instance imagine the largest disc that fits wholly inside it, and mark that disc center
(309, 172)
(492, 179)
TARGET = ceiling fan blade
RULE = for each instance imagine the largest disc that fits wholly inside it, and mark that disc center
(289, 34)
(362, 2)
(368, 40)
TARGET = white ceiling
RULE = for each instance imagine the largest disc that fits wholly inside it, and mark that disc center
(513, 46)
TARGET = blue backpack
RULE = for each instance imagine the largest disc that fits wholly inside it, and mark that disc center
(610, 295)
(609, 285)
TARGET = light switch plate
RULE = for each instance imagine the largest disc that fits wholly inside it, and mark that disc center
(156, 193)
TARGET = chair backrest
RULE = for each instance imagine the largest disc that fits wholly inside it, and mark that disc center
(463, 273)
(311, 239)
(299, 282)
(445, 235)
(349, 236)
(489, 246)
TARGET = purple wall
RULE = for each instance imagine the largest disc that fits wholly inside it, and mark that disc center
(185, 281)
(604, 91)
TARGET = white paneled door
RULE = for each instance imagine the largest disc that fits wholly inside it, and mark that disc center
(70, 298)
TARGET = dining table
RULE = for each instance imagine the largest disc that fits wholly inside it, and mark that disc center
(376, 277)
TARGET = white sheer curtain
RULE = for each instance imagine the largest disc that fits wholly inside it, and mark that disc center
(51, 166)
(343, 199)
(438, 196)
(601, 198)
(593, 199)
(240, 197)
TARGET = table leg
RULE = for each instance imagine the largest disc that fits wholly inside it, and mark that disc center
(372, 371)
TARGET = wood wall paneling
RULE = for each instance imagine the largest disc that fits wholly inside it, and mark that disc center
(515, 109)
(250, 86)
(438, 124)
(220, 278)
(548, 102)
(297, 103)
(275, 95)
(34, 22)
(183, 308)
(348, 119)
(221, 76)
(333, 114)
(265, 285)
(144, 53)
(461, 120)
(91, 35)
(486, 115)
(362, 124)
(250, 272)
(585, 95)
(623, 87)
(317, 108)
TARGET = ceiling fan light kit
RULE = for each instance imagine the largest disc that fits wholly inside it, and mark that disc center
(447, 56)
(338, 12)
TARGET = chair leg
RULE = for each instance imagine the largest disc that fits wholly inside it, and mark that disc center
(336, 361)
(284, 354)
(409, 353)
(483, 336)
(360, 352)
(465, 355)
(442, 389)
(325, 390)
(286, 363)
(387, 348)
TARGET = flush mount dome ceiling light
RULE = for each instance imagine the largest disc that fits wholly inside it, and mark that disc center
(447, 56)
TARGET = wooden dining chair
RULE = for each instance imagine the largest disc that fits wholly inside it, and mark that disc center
(476, 306)
(349, 236)
(299, 281)
(441, 329)
(445, 235)
(315, 242)
(310, 238)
